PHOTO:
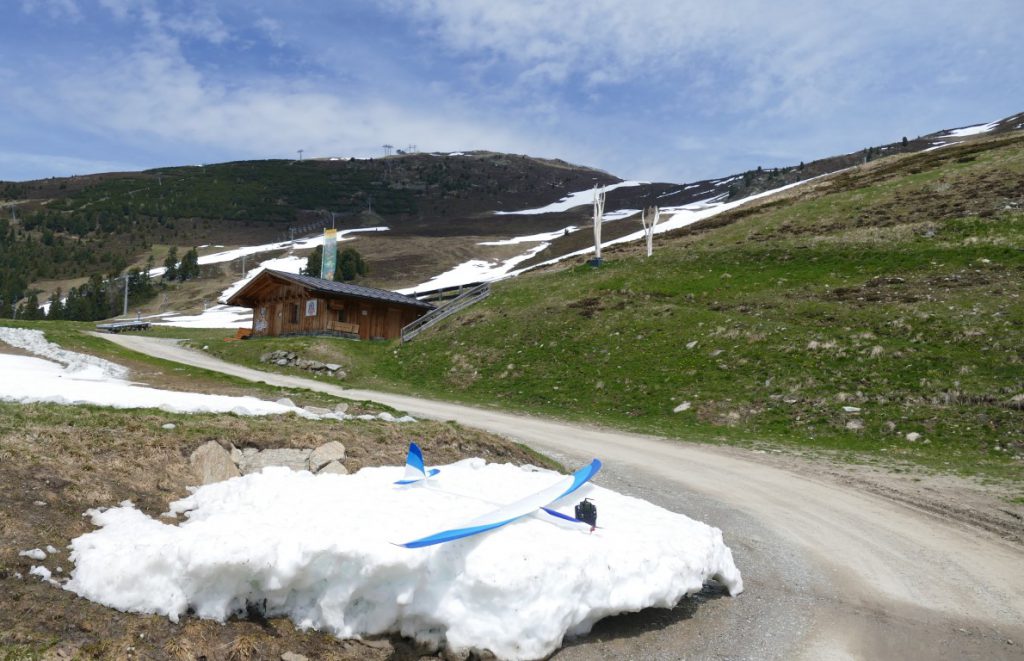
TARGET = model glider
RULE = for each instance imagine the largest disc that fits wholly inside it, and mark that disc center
(513, 511)
(415, 471)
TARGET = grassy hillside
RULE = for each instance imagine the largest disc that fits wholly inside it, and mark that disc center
(894, 290)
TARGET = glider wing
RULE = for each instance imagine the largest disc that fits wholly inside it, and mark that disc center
(516, 510)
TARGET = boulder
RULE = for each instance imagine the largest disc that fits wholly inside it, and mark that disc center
(212, 463)
(325, 454)
(168, 426)
(297, 460)
(282, 362)
(334, 367)
(333, 468)
(341, 408)
(683, 406)
(314, 365)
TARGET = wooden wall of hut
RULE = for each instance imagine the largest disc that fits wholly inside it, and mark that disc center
(292, 310)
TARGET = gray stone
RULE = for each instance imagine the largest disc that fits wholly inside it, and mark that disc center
(291, 355)
(303, 364)
(341, 408)
(315, 365)
(334, 367)
(683, 406)
(325, 454)
(250, 452)
(293, 656)
(855, 425)
(169, 425)
(340, 374)
(297, 460)
(385, 416)
(284, 401)
(236, 455)
(913, 437)
(316, 410)
(212, 463)
(282, 362)
(333, 468)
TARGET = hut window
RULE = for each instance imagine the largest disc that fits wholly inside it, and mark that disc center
(341, 315)
(295, 313)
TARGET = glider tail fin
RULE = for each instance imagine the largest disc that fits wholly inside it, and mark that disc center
(415, 470)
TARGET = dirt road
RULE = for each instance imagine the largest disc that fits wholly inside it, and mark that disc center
(831, 572)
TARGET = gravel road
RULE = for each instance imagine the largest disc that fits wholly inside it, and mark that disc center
(831, 572)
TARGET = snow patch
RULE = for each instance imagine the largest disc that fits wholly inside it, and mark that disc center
(318, 549)
(571, 200)
(83, 366)
(972, 130)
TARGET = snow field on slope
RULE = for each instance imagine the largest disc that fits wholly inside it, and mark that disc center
(84, 379)
(320, 550)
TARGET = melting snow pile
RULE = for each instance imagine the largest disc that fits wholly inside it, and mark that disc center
(319, 549)
(83, 379)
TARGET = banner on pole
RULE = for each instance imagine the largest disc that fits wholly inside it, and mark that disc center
(330, 258)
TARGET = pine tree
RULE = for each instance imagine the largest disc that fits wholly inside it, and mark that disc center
(171, 264)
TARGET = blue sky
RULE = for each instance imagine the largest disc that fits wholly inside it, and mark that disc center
(667, 90)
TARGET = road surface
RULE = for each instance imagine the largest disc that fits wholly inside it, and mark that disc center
(830, 572)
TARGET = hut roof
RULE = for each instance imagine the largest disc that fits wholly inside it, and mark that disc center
(328, 288)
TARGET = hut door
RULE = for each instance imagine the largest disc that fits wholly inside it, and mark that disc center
(393, 326)
(275, 318)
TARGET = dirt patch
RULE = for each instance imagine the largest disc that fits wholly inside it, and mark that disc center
(56, 462)
(996, 508)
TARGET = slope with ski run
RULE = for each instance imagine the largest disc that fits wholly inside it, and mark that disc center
(227, 316)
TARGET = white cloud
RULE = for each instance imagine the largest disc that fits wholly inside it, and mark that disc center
(53, 8)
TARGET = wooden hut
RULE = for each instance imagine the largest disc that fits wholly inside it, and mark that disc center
(289, 304)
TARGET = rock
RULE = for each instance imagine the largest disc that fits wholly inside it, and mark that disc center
(267, 357)
(855, 425)
(303, 364)
(683, 406)
(236, 455)
(913, 437)
(169, 425)
(333, 468)
(250, 452)
(325, 454)
(334, 367)
(407, 418)
(284, 401)
(292, 656)
(315, 365)
(451, 654)
(282, 362)
(690, 345)
(291, 355)
(851, 409)
(316, 410)
(340, 374)
(212, 463)
(385, 416)
(297, 460)
(341, 408)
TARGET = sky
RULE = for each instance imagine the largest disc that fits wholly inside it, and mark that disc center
(659, 90)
